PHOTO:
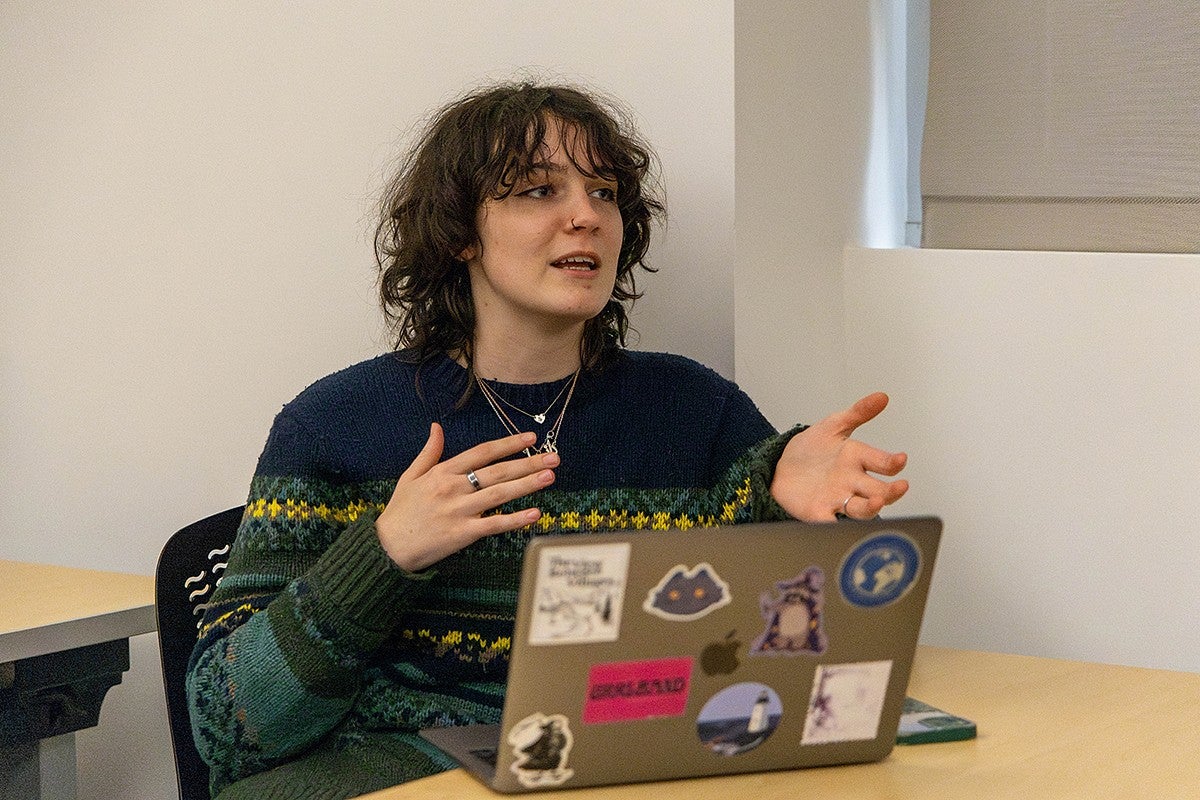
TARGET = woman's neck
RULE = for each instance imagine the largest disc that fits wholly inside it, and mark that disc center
(525, 359)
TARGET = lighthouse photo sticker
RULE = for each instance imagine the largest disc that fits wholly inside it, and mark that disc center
(739, 718)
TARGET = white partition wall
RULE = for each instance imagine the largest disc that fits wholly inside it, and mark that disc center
(1051, 406)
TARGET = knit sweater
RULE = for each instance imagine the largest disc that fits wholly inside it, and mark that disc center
(319, 658)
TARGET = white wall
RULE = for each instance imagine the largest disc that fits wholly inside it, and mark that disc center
(803, 99)
(1048, 401)
(185, 202)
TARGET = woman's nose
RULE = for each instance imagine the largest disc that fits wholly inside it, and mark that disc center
(581, 212)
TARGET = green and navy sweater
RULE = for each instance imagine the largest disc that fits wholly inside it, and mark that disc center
(318, 658)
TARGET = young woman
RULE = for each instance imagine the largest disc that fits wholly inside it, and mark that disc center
(371, 589)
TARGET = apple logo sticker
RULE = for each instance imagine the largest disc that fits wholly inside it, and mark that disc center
(720, 657)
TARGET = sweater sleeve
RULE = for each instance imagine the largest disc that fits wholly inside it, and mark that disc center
(760, 471)
(307, 597)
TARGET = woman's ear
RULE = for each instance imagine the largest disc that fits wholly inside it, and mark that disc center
(467, 253)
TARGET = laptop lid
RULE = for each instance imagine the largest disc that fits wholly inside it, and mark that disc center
(652, 655)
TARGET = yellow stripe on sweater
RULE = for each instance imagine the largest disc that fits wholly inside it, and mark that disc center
(593, 519)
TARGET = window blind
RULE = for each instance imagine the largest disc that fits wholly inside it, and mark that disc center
(1063, 125)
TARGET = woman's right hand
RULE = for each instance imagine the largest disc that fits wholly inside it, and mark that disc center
(436, 511)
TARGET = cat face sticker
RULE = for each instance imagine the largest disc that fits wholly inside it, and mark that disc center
(686, 594)
(794, 615)
(541, 745)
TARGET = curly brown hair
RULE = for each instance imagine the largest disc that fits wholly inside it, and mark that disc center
(480, 146)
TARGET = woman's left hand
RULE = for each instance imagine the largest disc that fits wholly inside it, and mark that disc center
(823, 472)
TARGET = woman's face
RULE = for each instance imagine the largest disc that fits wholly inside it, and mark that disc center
(547, 253)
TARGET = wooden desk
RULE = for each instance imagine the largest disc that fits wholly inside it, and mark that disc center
(1048, 730)
(64, 640)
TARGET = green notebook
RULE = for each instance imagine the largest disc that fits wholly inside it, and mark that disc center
(921, 723)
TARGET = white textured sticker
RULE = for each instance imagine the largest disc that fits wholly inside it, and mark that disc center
(846, 702)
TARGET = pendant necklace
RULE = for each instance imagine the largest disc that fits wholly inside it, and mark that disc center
(550, 440)
(492, 394)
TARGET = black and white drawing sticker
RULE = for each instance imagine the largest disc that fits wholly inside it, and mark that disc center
(579, 593)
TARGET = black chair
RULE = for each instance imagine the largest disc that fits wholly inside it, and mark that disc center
(189, 567)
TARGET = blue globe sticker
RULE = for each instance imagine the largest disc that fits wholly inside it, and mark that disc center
(880, 569)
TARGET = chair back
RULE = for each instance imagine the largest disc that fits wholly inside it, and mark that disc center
(189, 567)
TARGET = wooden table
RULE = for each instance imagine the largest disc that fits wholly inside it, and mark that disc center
(64, 640)
(1048, 730)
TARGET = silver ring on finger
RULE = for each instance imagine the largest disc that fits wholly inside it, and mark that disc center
(474, 479)
(845, 505)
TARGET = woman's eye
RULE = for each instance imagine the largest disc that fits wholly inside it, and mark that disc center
(536, 191)
(605, 193)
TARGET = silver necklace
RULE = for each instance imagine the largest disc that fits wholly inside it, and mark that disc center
(492, 394)
(550, 440)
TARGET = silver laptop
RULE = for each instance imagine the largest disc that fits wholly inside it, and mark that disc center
(655, 655)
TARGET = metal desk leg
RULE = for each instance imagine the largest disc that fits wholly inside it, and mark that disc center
(43, 770)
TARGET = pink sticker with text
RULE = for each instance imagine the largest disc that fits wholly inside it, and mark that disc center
(627, 690)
